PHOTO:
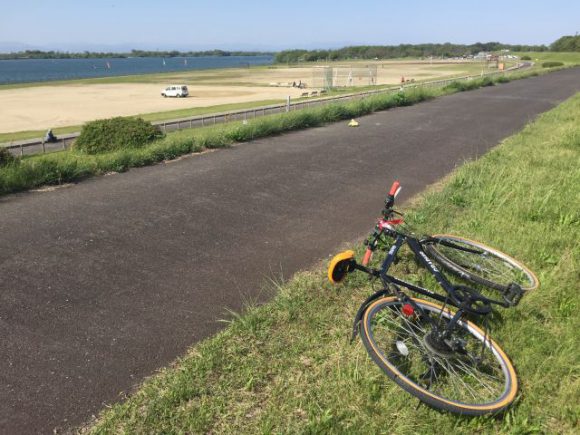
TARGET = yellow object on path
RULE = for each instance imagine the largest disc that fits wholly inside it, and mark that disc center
(353, 123)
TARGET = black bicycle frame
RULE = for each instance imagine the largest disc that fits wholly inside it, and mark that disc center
(425, 261)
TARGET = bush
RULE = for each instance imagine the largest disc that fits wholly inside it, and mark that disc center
(526, 58)
(469, 85)
(486, 81)
(454, 86)
(115, 133)
(401, 99)
(6, 157)
(551, 64)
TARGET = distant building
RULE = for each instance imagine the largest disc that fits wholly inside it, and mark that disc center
(482, 55)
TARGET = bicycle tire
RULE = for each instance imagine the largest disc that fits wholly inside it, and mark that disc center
(383, 328)
(489, 267)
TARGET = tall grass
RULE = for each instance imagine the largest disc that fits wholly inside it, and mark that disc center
(287, 366)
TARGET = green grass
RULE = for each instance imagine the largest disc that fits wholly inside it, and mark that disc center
(7, 138)
(548, 56)
(287, 366)
(67, 166)
(196, 111)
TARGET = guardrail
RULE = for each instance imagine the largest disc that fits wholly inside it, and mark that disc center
(38, 146)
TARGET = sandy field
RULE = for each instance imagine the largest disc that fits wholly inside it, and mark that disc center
(50, 106)
(44, 107)
(387, 73)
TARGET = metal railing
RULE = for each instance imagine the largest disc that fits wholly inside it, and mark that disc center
(38, 146)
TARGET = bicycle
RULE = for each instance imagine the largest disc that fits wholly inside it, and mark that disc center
(432, 352)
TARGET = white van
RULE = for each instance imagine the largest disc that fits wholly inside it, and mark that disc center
(175, 91)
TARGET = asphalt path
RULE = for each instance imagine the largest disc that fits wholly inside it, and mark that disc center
(105, 281)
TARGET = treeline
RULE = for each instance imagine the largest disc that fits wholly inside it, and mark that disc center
(175, 53)
(39, 54)
(566, 43)
(402, 50)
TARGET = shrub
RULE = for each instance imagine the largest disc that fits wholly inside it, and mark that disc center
(401, 99)
(468, 85)
(115, 133)
(458, 86)
(6, 157)
(486, 81)
(526, 58)
(551, 64)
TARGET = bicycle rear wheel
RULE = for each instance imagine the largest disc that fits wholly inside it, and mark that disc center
(475, 378)
(479, 263)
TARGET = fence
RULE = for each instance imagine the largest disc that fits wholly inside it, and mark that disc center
(37, 146)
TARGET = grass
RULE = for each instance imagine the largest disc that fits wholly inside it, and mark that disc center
(287, 366)
(8, 138)
(68, 166)
(549, 56)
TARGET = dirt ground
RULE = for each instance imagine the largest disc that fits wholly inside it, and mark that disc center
(387, 73)
(43, 107)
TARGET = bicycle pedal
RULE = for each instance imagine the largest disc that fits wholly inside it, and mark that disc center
(513, 294)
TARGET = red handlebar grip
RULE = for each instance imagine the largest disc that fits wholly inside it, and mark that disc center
(367, 257)
(394, 188)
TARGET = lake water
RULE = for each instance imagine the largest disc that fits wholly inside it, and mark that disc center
(39, 70)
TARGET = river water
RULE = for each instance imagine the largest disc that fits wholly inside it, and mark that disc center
(39, 70)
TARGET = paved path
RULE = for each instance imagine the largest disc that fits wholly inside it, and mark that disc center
(106, 281)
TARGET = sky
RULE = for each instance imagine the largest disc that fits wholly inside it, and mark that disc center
(116, 25)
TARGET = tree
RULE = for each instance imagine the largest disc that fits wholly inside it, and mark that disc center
(566, 43)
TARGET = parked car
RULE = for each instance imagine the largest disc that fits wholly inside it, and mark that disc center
(175, 91)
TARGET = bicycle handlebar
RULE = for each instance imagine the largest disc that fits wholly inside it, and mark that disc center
(390, 200)
(371, 242)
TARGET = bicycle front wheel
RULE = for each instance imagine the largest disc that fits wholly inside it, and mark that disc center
(479, 263)
(467, 374)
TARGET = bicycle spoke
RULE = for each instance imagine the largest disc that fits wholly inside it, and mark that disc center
(478, 377)
(452, 369)
(483, 263)
(461, 381)
(455, 378)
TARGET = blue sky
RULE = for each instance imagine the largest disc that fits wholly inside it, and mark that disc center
(252, 24)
